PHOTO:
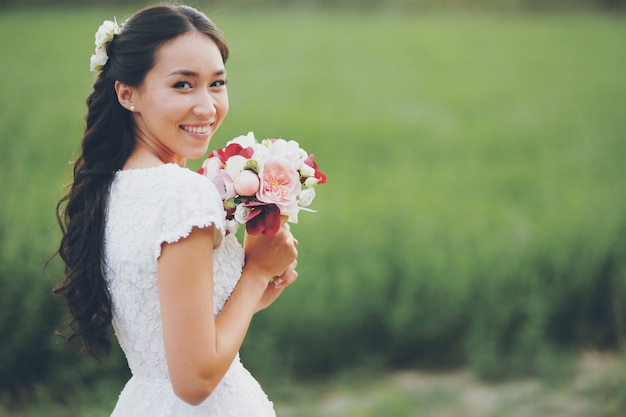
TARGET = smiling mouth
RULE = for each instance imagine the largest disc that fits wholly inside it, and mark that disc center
(196, 129)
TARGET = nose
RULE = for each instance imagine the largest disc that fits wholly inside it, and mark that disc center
(204, 105)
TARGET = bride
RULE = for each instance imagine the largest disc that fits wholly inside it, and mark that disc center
(144, 242)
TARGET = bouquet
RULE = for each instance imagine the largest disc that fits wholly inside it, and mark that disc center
(259, 182)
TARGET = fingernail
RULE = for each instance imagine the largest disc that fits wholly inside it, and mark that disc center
(278, 281)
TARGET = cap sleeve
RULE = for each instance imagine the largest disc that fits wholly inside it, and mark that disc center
(190, 200)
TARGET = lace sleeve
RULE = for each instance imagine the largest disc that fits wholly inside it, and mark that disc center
(190, 200)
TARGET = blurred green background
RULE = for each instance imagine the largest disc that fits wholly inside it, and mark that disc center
(474, 217)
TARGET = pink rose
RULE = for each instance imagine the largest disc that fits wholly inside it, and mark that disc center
(247, 183)
(280, 184)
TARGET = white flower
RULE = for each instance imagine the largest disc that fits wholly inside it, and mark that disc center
(242, 213)
(261, 153)
(98, 60)
(292, 215)
(306, 197)
(235, 165)
(306, 170)
(245, 141)
(107, 30)
(212, 166)
(310, 182)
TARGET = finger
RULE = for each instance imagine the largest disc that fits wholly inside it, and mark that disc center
(286, 280)
(287, 277)
(292, 278)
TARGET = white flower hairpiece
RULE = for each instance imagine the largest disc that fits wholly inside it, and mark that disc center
(107, 30)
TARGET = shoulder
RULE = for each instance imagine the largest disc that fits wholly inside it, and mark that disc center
(165, 185)
(183, 187)
(162, 178)
(187, 200)
(180, 180)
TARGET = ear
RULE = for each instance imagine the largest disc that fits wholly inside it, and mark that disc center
(125, 95)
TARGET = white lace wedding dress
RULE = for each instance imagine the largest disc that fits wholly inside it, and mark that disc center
(148, 207)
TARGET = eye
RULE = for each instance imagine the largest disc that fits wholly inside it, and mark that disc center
(218, 83)
(183, 85)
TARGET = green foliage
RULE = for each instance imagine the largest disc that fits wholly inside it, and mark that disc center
(413, 5)
(474, 212)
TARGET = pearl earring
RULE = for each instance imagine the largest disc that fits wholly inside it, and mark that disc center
(132, 108)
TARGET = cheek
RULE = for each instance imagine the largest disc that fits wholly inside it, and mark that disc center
(174, 107)
(168, 105)
(224, 105)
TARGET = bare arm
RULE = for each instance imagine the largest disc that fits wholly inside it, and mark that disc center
(198, 347)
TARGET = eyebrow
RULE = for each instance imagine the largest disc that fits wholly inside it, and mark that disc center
(189, 73)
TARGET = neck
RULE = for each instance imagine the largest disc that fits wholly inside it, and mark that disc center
(146, 155)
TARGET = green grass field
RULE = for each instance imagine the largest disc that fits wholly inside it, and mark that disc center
(474, 213)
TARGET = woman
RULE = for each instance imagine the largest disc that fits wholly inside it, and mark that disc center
(144, 238)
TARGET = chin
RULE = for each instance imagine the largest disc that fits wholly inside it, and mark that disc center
(199, 154)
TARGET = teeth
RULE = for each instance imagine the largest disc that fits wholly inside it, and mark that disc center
(194, 129)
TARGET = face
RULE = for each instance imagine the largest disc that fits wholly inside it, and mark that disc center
(182, 100)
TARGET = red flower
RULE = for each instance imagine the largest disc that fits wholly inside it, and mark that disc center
(310, 161)
(263, 218)
(232, 150)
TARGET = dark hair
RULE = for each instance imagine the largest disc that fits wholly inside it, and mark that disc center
(107, 143)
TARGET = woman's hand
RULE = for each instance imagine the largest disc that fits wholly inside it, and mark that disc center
(276, 286)
(268, 257)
